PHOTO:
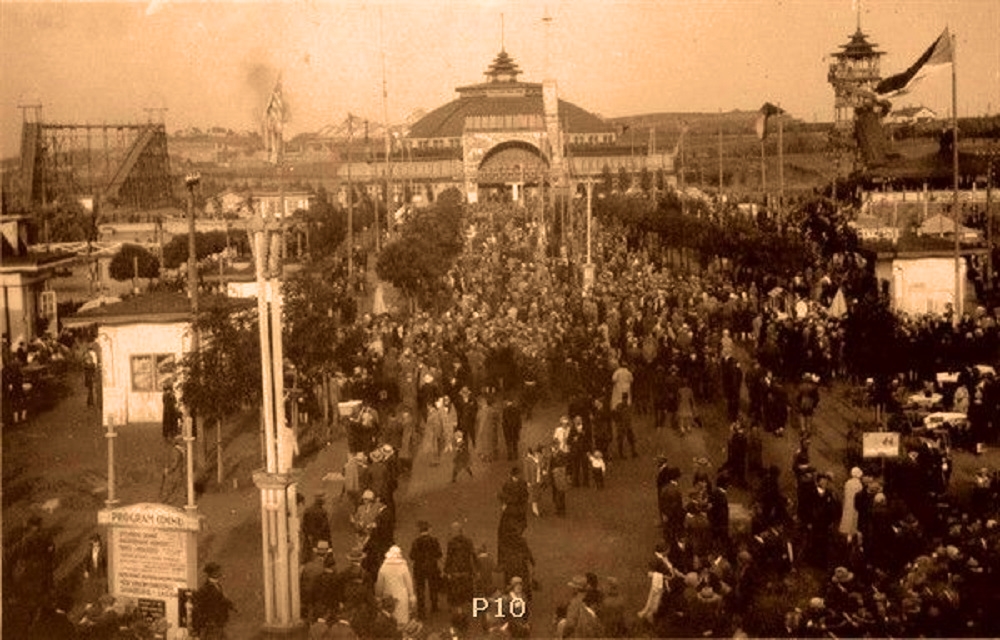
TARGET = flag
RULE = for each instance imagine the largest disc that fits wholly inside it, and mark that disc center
(274, 117)
(275, 111)
(937, 55)
(766, 112)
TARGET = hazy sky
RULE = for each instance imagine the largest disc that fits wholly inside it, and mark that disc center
(214, 63)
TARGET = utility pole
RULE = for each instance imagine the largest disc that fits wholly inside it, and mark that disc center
(350, 199)
(191, 180)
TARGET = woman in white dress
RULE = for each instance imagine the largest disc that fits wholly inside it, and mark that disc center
(394, 579)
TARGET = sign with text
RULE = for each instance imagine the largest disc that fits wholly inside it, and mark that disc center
(152, 556)
(880, 444)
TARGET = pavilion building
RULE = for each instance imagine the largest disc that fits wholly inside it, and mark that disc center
(504, 139)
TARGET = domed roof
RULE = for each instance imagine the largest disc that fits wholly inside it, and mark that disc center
(501, 95)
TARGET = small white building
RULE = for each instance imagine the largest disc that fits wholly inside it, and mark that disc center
(27, 303)
(142, 341)
(922, 282)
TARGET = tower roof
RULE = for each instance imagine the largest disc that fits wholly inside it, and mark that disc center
(502, 69)
(858, 47)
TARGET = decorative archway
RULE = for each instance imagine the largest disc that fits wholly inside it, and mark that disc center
(513, 162)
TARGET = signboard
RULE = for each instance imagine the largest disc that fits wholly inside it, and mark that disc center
(152, 558)
(880, 444)
(152, 610)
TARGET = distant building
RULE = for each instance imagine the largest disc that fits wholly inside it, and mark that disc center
(854, 73)
(504, 139)
(232, 202)
(911, 115)
(28, 304)
(142, 341)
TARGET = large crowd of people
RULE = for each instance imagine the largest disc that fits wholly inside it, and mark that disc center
(651, 340)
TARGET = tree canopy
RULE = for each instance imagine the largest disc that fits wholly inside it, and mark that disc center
(428, 244)
(175, 252)
(123, 264)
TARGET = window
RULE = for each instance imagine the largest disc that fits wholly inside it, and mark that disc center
(151, 372)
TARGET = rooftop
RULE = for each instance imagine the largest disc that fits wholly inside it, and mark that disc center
(858, 47)
(161, 307)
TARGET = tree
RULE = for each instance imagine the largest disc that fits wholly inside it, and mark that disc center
(646, 180)
(607, 180)
(624, 180)
(123, 264)
(206, 243)
(426, 249)
(222, 378)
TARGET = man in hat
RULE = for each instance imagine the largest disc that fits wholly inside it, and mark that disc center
(671, 503)
(462, 456)
(32, 565)
(460, 568)
(838, 592)
(465, 410)
(211, 606)
(706, 611)
(581, 620)
(315, 523)
(512, 424)
(425, 554)
(326, 594)
(807, 399)
(309, 575)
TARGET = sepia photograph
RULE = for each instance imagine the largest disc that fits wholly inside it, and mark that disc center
(446, 320)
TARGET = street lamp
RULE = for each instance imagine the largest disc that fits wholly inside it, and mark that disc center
(278, 480)
(191, 180)
(588, 269)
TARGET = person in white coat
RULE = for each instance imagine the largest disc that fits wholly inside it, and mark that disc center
(849, 511)
(394, 579)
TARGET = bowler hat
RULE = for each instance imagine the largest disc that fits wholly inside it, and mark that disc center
(578, 582)
(213, 570)
(356, 555)
(842, 575)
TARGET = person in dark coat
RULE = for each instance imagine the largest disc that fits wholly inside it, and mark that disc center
(736, 461)
(514, 503)
(823, 515)
(171, 415)
(323, 597)
(425, 554)
(460, 568)
(718, 513)
(315, 523)
(511, 420)
(93, 571)
(732, 382)
(465, 411)
(54, 622)
(671, 503)
(211, 606)
(462, 460)
(32, 566)
(603, 431)
(579, 446)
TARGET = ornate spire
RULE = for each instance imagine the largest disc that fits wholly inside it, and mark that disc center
(503, 69)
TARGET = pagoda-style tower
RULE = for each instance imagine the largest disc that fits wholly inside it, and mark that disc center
(853, 75)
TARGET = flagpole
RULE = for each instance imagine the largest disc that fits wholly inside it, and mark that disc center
(959, 298)
(781, 160)
(763, 171)
(720, 153)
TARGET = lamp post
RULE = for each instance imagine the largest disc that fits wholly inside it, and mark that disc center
(191, 180)
(588, 269)
(278, 480)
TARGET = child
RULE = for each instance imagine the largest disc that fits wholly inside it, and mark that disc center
(462, 456)
(597, 468)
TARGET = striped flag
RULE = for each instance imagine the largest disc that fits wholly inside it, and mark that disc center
(764, 114)
(937, 55)
(275, 115)
(275, 111)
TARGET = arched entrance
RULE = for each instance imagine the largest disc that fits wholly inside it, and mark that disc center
(510, 170)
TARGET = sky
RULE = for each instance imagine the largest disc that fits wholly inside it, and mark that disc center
(214, 63)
